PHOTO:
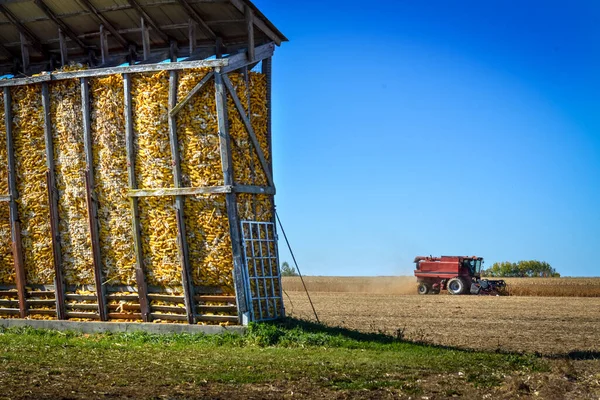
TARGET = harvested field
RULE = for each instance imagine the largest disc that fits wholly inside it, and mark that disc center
(549, 325)
(399, 285)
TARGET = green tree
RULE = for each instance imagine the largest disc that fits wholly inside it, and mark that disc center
(528, 268)
(286, 270)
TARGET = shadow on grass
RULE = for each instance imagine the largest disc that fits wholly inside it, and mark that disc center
(380, 338)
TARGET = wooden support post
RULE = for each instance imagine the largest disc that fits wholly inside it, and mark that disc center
(173, 50)
(59, 283)
(140, 276)
(64, 56)
(24, 53)
(92, 205)
(219, 47)
(186, 276)
(145, 39)
(192, 36)
(103, 44)
(249, 15)
(15, 225)
(231, 202)
(267, 65)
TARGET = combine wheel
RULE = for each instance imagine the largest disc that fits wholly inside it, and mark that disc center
(457, 286)
(424, 288)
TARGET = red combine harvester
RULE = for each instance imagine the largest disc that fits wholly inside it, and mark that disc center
(458, 275)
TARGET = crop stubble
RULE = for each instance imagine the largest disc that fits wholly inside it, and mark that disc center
(549, 325)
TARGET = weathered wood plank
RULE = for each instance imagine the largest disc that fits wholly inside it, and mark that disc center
(215, 299)
(186, 275)
(124, 316)
(170, 309)
(92, 207)
(191, 93)
(64, 54)
(72, 314)
(24, 53)
(169, 317)
(5, 198)
(59, 283)
(167, 298)
(240, 60)
(145, 39)
(230, 198)
(103, 44)
(201, 190)
(249, 16)
(250, 130)
(217, 318)
(140, 276)
(90, 73)
(80, 297)
(216, 309)
(17, 248)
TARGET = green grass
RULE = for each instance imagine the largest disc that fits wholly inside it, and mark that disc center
(281, 353)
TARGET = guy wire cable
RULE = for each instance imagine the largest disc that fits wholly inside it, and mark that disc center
(297, 268)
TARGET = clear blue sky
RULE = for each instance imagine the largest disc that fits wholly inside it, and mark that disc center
(406, 128)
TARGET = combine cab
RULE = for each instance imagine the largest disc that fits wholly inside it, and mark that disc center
(458, 275)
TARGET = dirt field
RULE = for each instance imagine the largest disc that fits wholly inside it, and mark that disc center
(549, 325)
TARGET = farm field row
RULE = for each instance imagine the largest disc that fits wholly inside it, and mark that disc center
(548, 325)
(400, 285)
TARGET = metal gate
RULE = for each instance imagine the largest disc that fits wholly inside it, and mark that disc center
(262, 280)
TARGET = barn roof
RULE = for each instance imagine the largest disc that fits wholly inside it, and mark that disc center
(109, 32)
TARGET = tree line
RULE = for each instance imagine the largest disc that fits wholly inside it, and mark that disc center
(530, 268)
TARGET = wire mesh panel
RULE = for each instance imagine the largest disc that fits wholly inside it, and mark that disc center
(262, 278)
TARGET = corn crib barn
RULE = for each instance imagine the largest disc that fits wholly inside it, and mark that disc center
(136, 162)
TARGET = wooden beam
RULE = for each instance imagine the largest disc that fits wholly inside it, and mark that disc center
(63, 27)
(240, 5)
(241, 60)
(105, 22)
(92, 206)
(88, 73)
(59, 283)
(184, 258)
(219, 47)
(155, 27)
(191, 93)
(103, 44)
(145, 39)
(34, 41)
(191, 191)
(194, 15)
(249, 15)
(24, 53)
(250, 130)
(192, 36)
(173, 51)
(17, 248)
(64, 56)
(181, 191)
(140, 276)
(5, 198)
(231, 200)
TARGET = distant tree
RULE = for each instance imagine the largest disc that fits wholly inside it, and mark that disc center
(286, 270)
(530, 268)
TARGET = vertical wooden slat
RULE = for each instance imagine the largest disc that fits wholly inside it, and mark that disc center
(64, 56)
(92, 206)
(59, 284)
(219, 47)
(248, 14)
(192, 36)
(145, 39)
(103, 44)
(186, 276)
(231, 200)
(140, 276)
(24, 52)
(15, 225)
